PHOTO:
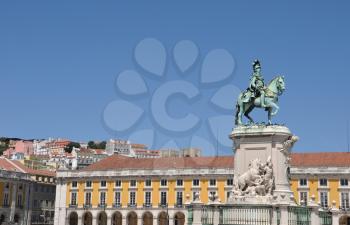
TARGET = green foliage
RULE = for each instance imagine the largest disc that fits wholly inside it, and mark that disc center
(97, 145)
(4, 144)
(70, 146)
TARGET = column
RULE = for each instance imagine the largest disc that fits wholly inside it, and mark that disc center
(284, 214)
(216, 219)
(124, 220)
(109, 219)
(13, 201)
(28, 204)
(197, 213)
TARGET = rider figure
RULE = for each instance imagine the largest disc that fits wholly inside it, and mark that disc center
(257, 86)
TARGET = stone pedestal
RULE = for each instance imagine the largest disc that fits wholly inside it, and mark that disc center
(261, 142)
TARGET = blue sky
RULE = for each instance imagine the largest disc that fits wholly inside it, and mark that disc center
(59, 62)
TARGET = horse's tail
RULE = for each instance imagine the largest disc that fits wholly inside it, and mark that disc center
(237, 112)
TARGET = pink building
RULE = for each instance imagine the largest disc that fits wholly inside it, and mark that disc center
(25, 147)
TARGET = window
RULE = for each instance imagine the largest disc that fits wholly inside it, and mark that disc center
(148, 198)
(35, 203)
(163, 183)
(303, 198)
(212, 182)
(212, 195)
(148, 183)
(195, 182)
(344, 200)
(118, 183)
(73, 198)
(103, 183)
(74, 185)
(179, 183)
(303, 182)
(103, 198)
(229, 182)
(19, 200)
(88, 184)
(344, 182)
(323, 182)
(324, 199)
(179, 197)
(88, 198)
(133, 183)
(132, 198)
(163, 198)
(117, 198)
(6, 199)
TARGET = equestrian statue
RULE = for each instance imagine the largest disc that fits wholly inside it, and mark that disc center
(260, 96)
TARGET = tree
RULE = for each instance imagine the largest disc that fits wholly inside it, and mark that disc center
(97, 145)
(70, 146)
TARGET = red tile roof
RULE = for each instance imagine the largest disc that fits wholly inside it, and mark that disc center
(123, 162)
(13, 165)
(321, 159)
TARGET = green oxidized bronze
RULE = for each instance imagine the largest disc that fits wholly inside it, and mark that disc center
(259, 95)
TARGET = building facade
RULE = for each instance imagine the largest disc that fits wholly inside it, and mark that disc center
(123, 190)
(27, 196)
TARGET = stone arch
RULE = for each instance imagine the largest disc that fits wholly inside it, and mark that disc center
(117, 218)
(131, 218)
(179, 218)
(147, 218)
(102, 218)
(344, 220)
(73, 218)
(2, 218)
(16, 218)
(87, 218)
(163, 218)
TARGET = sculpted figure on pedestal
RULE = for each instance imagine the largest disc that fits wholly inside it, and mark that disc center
(259, 95)
(258, 180)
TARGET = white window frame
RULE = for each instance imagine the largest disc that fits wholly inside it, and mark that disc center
(307, 182)
(150, 198)
(71, 198)
(300, 198)
(166, 197)
(115, 183)
(133, 186)
(130, 198)
(149, 181)
(319, 182)
(343, 185)
(321, 198)
(105, 198)
(199, 183)
(182, 181)
(119, 197)
(166, 183)
(341, 200)
(214, 180)
(86, 184)
(182, 197)
(90, 199)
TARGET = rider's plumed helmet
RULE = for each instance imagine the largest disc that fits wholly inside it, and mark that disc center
(256, 65)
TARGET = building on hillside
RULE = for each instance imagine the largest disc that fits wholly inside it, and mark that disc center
(85, 157)
(27, 196)
(123, 190)
(146, 153)
(185, 152)
(56, 147)
(123, 147)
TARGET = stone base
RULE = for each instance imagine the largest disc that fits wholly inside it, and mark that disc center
(250, 200)
(264, 142)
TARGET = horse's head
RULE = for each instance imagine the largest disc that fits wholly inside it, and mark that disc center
(277, 85)
(280, 84)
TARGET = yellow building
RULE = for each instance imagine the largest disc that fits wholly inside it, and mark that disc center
(26, 196)
(120, 190)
